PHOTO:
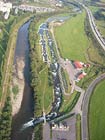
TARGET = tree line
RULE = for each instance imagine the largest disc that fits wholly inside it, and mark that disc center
(6, 120)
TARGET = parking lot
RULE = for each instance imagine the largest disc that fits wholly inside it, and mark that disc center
(60, 131)
(69, 134)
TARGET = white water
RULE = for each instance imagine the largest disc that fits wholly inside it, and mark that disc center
(26, 125)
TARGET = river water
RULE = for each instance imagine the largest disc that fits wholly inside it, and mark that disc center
(26, 110)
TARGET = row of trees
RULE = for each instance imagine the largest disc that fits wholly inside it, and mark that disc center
(6, 120)
(35, 65)
(99, 14)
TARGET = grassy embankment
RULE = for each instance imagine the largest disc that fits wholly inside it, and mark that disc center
(45, 91)
(69, 102)
(78, 127)
(66, 81)
(97, 113)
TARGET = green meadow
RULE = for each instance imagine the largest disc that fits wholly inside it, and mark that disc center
(97, 113)
(71, 38)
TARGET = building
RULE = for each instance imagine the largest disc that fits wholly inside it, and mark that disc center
(81, 76)
(25, 7)
(59, 4)
(5, 8)
(78, 65)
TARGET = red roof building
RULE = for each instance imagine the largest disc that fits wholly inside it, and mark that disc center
(78, 64)
(81, 76)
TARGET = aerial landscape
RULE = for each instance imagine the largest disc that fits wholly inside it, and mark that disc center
(52, 69)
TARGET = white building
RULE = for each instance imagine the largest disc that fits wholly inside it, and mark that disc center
(59, 4)
(34, 8)
(5, 8)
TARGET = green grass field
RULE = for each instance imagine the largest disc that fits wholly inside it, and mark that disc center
(45, 91)
(71, 38)
(97, 113)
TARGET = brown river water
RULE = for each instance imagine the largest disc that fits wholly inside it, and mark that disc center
(26, 110)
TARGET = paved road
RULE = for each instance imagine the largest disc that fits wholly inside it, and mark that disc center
(85, 104)
(94, 27)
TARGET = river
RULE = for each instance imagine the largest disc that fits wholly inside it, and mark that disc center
(26, 110)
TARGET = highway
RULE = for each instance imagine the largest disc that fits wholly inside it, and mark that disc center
(94, 27)
(85, 105)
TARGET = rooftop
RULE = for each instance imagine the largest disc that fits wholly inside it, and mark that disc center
(78, 64)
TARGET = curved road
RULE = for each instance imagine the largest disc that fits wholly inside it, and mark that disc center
(85, 104)
(94, 27)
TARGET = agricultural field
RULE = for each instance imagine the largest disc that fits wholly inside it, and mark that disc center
(71, 38)
(97, 113)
